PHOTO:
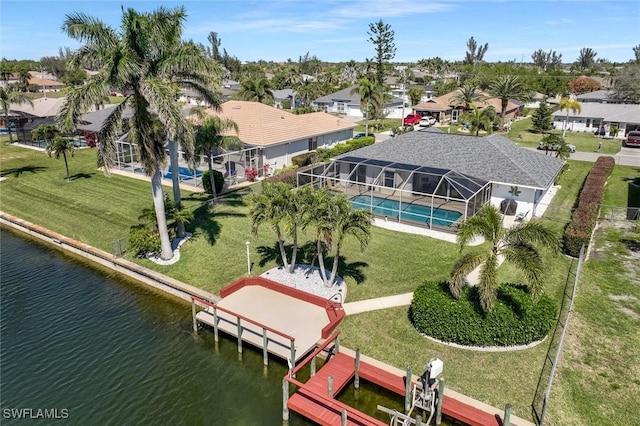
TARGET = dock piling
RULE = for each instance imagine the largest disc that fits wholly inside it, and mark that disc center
(193, 315)
(239, 336)
(215, 325)
(440, 399)
(356, 380)
(285, 399)
(313, 366)
(407, 390)
(507, 415)
(265, 354)
(343, 418)
(418, 419)
(330, 386)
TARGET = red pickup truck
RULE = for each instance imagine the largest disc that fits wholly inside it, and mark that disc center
(411, 120)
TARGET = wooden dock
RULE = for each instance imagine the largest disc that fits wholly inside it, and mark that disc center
(313, 400)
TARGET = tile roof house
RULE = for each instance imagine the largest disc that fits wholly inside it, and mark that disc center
(600, 96)
(476, 169)
(347, 103)
(444, 110)
(278, 134)
(595, 116)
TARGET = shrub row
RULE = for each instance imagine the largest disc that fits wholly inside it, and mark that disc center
(324, 154)
(583, 219)
(304, 159)
(290, 177)
(514, 320)
(206, 181)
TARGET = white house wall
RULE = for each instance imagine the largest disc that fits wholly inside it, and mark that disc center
(525, 200)
(279, 156)
(586, 124)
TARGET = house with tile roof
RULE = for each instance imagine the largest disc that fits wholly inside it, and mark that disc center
(446, 111)
(275, 135)
(434, 179)
(600, 117)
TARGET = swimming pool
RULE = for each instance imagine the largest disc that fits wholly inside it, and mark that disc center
(183, 174)
(413, 212)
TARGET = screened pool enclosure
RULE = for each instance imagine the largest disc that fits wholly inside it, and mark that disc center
(412, 194)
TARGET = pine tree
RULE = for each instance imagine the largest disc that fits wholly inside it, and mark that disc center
(542, 120)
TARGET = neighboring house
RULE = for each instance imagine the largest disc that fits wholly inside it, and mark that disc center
(599, 96)
(444, 110)
(46, 85)
(418, 172)
(23, 117)
(280, 95)
(346, 103)
(91, 123)
(594, 116)
(190, 97)
(273, 136)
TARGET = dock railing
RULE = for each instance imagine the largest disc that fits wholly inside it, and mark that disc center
(240, 318)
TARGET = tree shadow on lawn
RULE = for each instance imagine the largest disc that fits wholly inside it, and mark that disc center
(81, 176)
(204, 222)
(306, 256)
(17, 171)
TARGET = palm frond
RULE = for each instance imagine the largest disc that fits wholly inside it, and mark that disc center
(488, 284)
(461, 269)
(527, 258)
(79, 100)
(110, 129)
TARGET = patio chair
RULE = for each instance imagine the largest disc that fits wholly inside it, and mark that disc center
(521, 216)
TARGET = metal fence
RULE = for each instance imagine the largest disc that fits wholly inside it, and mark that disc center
(617, 214)
(119, 247)
(540, 401)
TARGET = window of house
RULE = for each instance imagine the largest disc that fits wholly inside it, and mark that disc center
(340, 107)
(313, 144)
(388, 178)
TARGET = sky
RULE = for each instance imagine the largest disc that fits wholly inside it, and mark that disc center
(336, 31)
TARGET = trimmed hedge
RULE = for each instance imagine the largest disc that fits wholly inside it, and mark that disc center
(206, 181)
(290, 177)
(514, 320)
(324, 154)
(584, 217)
(305, 159)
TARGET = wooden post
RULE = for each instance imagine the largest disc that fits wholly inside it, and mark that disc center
(215, 326)
(239, 335)
(330, 386)
(356, 381)
(313, 366)
(507, 415)
(285, 399)
(293, 354)
(343, 420)
(440, 398)
(193, 315)
(265, 354)
(407, 390)
(337, 345)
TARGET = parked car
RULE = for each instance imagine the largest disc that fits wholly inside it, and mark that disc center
(555, 147)
(427, 121)
(411, 120)
(363, 134)
(632, 139)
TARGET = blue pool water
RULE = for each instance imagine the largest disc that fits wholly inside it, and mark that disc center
(413, 212)
(183, 173)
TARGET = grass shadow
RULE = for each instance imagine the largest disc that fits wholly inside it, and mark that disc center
(204, 223)
(17, 171)
(81, 176)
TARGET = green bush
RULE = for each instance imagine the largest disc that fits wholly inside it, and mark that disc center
(143, 240)
(514, 320)
(324, 154)
(304, 159)
(206, 181)
(289, 176)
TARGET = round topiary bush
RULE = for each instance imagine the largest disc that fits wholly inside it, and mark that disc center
(206, 181)
(514, 320)
(508, 207)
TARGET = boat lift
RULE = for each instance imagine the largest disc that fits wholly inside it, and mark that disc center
(426, 397)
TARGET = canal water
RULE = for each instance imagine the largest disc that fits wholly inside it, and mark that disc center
(91, 348)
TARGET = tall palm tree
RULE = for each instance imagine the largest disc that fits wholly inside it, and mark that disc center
(60, 146)
(9, 96)
(209, 139)
(415, 94)
(334, 219)
(147, 59)
(466, 96)
(256, 89)
(568, 104)
(515, 245)
(480, 119)
(293, 79)
(505, 88)
(369, 94)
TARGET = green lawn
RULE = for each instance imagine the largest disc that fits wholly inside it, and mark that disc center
(584, 142)
(98, 210)
(379, 125)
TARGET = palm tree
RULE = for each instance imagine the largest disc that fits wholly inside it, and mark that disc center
(209, 139)
(568, 104)
(480, 119)
(256, 89)
(334, 219)
(505, 88)
(514, 245)
(415, 94)
(60, 146)
(145, 58)
(369, 94)
(466, 96)
(293, 79)
(9, 96)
